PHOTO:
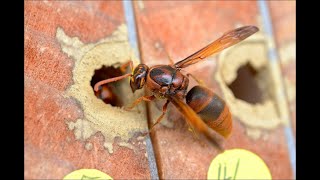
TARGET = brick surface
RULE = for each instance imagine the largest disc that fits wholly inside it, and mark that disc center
(51, 150)
(183, 28)
(283, 15)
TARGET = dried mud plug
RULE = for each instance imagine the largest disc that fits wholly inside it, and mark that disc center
(95, 62)
(250, 85)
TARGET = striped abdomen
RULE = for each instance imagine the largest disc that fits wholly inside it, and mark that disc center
(211, 108)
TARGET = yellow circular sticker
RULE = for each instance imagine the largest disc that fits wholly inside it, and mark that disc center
(87, 174)
(238, 164)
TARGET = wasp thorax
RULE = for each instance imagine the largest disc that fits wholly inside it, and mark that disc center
(138, 77)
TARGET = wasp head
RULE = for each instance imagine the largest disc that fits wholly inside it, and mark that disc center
(138, 77)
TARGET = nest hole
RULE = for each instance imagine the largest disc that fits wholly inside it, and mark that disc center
(109, 93)
(250, 84)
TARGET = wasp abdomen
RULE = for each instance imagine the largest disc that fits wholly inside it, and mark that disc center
(211, 108)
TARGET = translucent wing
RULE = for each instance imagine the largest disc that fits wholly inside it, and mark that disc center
(196, 123)
(226, 40)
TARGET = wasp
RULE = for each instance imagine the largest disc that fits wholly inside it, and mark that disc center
(205, 112)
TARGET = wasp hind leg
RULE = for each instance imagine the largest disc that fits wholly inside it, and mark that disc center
(168, 56)
(199, 81)
(164, 111)
(196, 135)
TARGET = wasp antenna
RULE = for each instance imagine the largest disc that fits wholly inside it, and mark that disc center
(106, 81)
(124, 66)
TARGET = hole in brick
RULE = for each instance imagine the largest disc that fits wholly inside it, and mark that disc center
(109, 93)
(247, 80)
(247, 85)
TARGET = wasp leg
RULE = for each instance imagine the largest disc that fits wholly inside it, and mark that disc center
(196, 136)
(137, 101)
(169, 57)
(194, 133)
(164, 111)
(199, 81)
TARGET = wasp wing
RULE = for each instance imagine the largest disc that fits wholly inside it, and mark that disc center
(196, 122)
(226, 40)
